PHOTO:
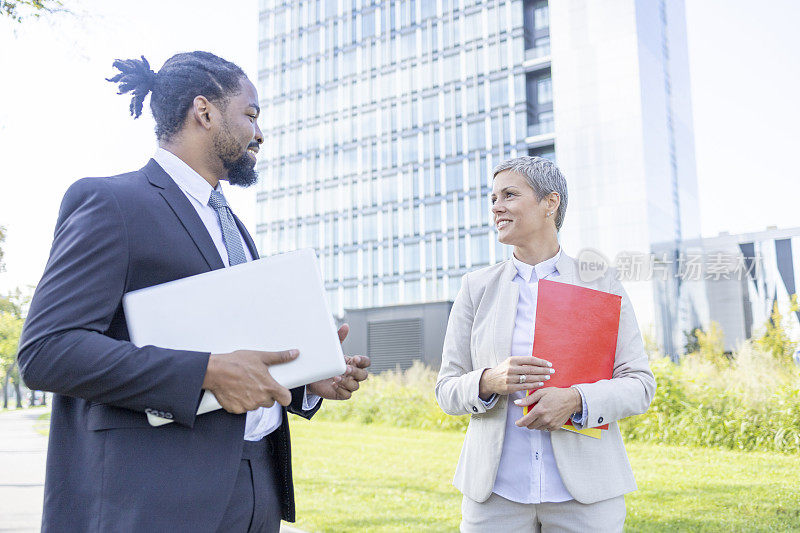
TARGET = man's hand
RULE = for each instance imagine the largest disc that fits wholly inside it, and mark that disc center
(505, 377)
(241, 380)
(553, 408)
(342, 387)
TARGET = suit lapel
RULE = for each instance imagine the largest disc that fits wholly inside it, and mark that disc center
(186, 214)
(566, 269)
(505, 312)
(247, 238)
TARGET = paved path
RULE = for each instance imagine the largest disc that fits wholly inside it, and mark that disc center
(22, 461)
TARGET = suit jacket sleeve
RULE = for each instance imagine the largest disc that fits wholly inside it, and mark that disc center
(457, 386)
(296, 406)
(631, 388)
(64, 347)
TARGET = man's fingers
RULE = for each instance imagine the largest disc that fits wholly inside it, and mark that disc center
(359, 374)
(349, 384)
(283, 396)
(269, 403)
(343, 331)
(343, 394)
(276, 358)
(361, 361)
(230, 405)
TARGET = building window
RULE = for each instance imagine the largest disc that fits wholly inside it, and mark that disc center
(537, 28)
(480, 249)
(548, 152)
(539, 93)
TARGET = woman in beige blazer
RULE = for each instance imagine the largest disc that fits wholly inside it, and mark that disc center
(523, 473)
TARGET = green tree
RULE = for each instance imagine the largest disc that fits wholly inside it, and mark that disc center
(15, 302)
(12, 310)
(2, 239)
(10, 330)
(17, 10)
(692, 343)
(775, 339)
(710, 345)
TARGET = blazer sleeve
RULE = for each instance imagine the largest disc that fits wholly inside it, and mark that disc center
(296, 405)
(457, 384)
(64, 347)
(631, 388)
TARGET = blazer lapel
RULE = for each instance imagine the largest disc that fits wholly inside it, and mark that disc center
(185, 212)
(566, 269)
(247, 238)
(505, 312)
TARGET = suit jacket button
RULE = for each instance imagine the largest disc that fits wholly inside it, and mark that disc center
(474, 409)
(600, 420)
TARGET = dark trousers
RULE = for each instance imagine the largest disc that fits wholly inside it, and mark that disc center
(254, 506)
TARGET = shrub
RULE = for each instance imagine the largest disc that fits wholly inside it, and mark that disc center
(776, 339)
(708, 346)
(402, 399)
(749, 403)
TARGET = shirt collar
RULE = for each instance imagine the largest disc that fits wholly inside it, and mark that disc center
(540, 270)
(185, 176)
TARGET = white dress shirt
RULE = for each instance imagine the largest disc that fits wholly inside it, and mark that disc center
(528, 472)
(263, 420)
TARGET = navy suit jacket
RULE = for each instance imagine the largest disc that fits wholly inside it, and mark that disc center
(107, 468)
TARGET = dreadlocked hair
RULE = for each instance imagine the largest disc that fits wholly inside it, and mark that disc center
(134, 76)
(174, 88)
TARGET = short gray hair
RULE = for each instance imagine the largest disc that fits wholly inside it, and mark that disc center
(543, 176)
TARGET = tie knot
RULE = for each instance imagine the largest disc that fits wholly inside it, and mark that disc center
(217, 201)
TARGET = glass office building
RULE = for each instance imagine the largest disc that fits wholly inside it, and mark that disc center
(382, 121)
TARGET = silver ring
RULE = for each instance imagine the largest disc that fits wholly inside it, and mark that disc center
(522, 378)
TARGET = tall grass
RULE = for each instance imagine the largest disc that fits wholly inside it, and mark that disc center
(400, 399)
(751, 403)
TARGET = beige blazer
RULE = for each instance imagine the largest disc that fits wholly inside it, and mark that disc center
(479, 335)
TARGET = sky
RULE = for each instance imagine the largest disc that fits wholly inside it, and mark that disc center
(59, 121)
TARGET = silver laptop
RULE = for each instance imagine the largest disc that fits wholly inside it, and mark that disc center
(271, 304)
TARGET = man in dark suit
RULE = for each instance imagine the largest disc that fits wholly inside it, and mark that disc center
(107, 468)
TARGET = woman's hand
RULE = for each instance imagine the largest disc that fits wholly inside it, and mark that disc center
(517, 373)
(552, 407)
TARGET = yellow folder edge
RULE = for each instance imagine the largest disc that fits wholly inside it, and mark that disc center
(589, 432)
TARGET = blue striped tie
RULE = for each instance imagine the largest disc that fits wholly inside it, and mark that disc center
(230, 233)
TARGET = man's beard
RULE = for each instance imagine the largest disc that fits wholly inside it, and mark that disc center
(241, 172)
(241, 168)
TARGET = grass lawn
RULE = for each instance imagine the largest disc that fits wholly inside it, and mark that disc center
(351, 477)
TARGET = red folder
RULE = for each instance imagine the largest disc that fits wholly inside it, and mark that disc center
(576, 330)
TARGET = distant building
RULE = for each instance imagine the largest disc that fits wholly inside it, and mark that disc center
(734, 280)
(383, 121)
